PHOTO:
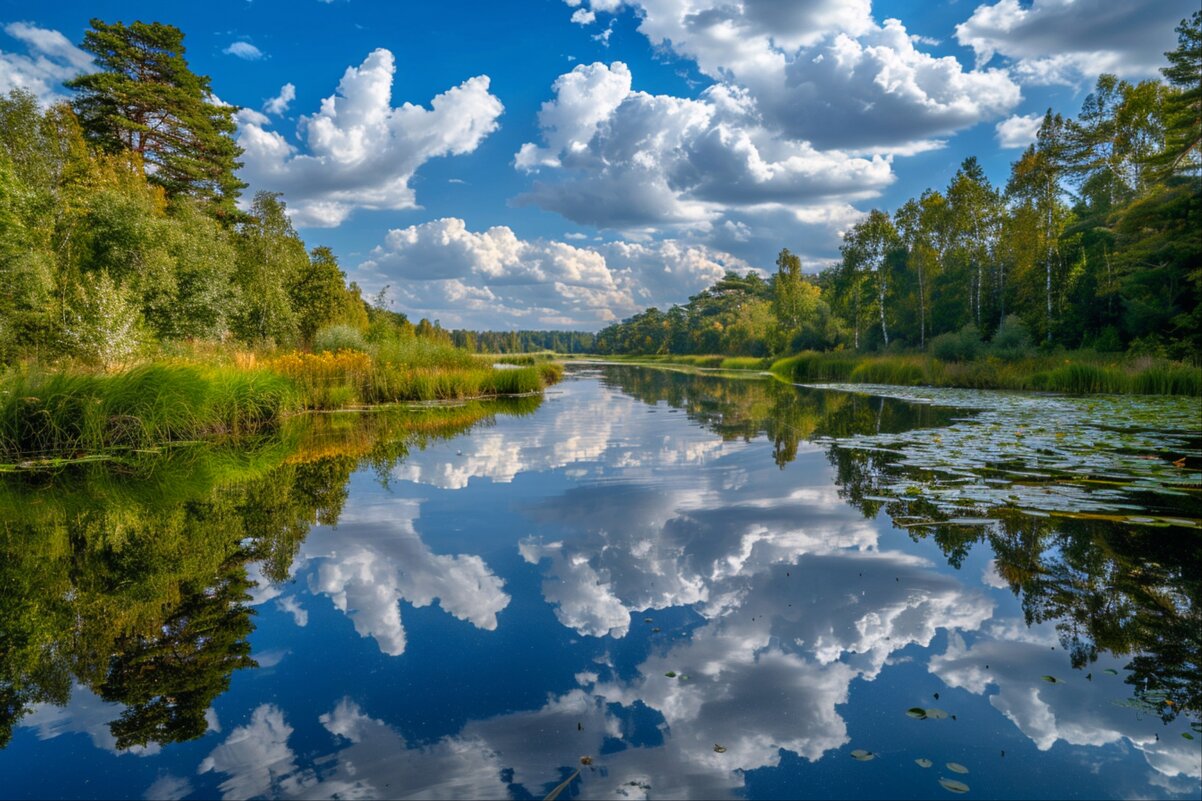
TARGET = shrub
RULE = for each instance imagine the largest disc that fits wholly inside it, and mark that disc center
(961, 346)
(333, 338)
(1012, 340)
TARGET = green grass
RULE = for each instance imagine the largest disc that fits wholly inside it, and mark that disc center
(66, 414)
(1074, 373)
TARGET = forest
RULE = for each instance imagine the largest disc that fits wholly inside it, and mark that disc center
(138, 288)
(1094, 242)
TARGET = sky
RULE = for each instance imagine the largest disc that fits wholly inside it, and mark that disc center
(563, 164)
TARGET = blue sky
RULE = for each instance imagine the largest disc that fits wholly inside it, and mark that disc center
(554, 164)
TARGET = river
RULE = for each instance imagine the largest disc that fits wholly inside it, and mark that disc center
(653, 584)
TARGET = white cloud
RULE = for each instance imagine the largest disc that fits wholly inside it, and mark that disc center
(244, 50)
(84, 713)
(168, 788)
(826, 72)
(374, 562)
(1018, 131)
(256, 756)
(50, 60)
(292, 606)
(1076, 711)
(1067, 41)
(359, 151)
(442, 270)
(627, 160)
(279, 104)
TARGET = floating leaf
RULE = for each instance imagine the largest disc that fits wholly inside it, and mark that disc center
(956, 767)
(1187, 735)
(1110, 672)
(671, 674)
(862, 755)
(923, 762)
(1052, 680)
(719, 749)
(648, 620)
(916, 712)
(936, 714)
(953, 786)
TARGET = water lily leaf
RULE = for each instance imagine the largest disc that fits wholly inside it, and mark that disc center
(719, 749)
(956, 767)
(1110, 672)
(916, 712)
(953, 786)
(936, 714)
(923, 762)
(862, 755)
(1187, 735)
(671, 674)
(1052, 680)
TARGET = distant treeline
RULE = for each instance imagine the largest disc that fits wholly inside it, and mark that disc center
(524, 341)
(1094, 242)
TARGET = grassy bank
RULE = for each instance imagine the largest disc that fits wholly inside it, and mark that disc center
(1076, 373)
(717, 362)
(48, 416)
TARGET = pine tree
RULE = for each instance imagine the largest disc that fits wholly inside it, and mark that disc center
(145, 99)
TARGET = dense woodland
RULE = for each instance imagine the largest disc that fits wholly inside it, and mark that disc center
(1095, 241)
(120, 228)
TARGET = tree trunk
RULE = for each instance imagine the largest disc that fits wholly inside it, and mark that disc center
(881, 297)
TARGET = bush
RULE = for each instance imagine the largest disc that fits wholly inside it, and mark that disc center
(961, 346)
(1108, 341)
(1012, 341)
(333, 338)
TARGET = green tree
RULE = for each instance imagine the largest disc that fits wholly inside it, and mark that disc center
(1183, 113)
(270, 257)
(317, 292)
(145, 99)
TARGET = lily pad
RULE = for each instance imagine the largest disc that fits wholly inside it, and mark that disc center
(953, 786)
(1187, 735)
(923, 762)
(671, 674)
(936, 714)
(863, 756)
(956, 767)
(916, 712)
(719, 749)
(1053, 680)
(1110, 672)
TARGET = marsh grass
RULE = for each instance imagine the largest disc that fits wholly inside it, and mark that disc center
(1079, 373)
(47, 418)
(61, 414)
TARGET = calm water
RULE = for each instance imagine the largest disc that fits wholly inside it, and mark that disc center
(709, 587)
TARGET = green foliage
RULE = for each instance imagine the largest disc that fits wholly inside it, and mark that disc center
(1012, 340)
(334, 338)
(103, 325)
(144, 99)
(74, 414)
(962, 346)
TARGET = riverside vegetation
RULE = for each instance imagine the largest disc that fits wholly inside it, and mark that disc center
(143, 306)
(1081, 274)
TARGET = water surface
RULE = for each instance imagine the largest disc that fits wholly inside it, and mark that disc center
(710, 587)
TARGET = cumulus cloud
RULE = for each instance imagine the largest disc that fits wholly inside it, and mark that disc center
(826, 72)
(1066, 41)
(244, 50)
(358, 150)
(443, 270)
(168, 788)
(376, 561)
(1076, 711)
(279, 104)
(50, 59)
(623, 159)
(84, 713)
(1018, 131)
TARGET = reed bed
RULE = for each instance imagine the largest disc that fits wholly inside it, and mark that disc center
(1072, 374)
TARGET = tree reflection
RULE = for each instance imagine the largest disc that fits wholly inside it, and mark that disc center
(1128, 590)
(133, 579)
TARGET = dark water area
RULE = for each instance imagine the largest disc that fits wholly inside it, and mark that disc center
(652, 584)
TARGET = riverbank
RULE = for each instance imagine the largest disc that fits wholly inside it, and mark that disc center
(51, 415)
(1080, 372)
